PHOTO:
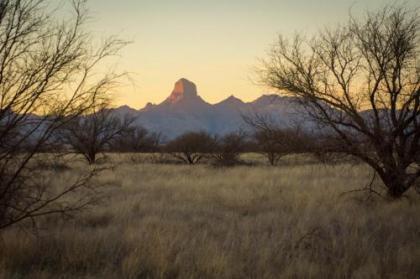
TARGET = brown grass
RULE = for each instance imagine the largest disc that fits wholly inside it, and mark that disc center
(174, 221)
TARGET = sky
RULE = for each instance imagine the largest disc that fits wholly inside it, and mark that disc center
(214, 43)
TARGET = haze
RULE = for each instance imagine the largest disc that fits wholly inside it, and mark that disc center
(216, 44)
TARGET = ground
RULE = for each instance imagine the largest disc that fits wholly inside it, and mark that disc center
(176, 221)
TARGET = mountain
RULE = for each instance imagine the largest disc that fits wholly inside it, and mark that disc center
(184, 110)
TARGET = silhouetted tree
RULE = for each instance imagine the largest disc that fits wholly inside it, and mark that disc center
(47, 78)
(275, 142)
(360, 83)
(229, 148)
(137, 139)
(191, 147)
(93, 133)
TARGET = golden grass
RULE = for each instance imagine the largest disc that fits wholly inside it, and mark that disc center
(175, 221)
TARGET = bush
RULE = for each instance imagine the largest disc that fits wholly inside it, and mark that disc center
(192, 147)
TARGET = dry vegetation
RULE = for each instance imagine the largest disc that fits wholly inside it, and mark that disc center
(155, 218)
(178, 221)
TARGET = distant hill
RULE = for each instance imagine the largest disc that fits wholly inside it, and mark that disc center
(184, 110)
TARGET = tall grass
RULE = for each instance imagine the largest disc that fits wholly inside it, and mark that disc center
(174, 221)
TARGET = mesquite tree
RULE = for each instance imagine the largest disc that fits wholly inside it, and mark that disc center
(191, 147)
(229, 148)
(48, 76)
(274, 141)
(93, 133)
(361, 84)
(137, 139)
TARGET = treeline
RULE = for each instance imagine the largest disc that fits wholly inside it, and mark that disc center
(273, 143)
(103, 131)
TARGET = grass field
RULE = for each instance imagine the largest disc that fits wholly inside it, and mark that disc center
(176, 221)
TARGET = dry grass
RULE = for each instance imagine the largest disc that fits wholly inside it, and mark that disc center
(174, 221)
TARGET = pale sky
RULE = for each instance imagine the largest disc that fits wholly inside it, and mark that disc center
(213, 43)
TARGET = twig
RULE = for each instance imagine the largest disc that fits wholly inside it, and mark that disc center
(368, 187)
(307, 235)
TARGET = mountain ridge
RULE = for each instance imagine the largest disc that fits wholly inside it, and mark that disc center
(184, 110)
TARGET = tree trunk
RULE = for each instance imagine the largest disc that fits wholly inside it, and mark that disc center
(190, 159)
(91, 158)
(271, 159)
(396, 186)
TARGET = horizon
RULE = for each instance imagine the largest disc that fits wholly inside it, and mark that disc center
(215, 44)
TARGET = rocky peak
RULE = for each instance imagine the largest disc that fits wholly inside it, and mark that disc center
(231, 101)
(183, 89)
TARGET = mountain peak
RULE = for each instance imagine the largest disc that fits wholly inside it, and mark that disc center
(183, 89)
(125, 108)
(231, 101)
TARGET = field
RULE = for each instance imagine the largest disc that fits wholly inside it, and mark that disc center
(177, 221)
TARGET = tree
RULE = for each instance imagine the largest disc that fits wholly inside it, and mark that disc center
(229, 148)
(191, 147)
(275, 142)
(360, 83)
(93, 133)
(48, 76)
(137, 139)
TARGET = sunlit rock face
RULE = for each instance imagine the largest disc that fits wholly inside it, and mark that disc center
(184, 102)
(184, 89)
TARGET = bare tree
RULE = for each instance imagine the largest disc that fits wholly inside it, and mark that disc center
(229, 148)
(48, 76)
(191, 147)
(137, 139)
(273, 141)
(361, 84)
(93, 133)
